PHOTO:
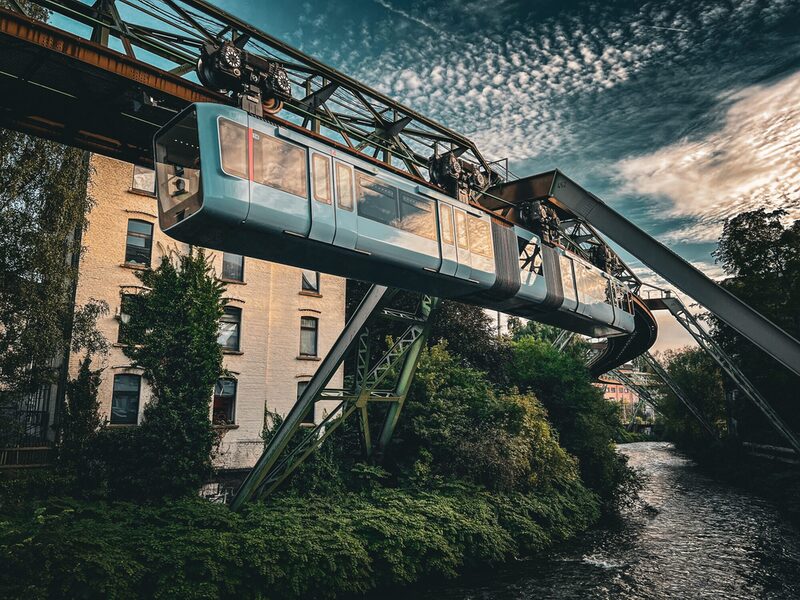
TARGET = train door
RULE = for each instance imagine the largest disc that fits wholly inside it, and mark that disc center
(323, 219)
(464, 268)
(346, 220)
(447, 240)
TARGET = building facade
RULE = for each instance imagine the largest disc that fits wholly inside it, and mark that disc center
(278, 323)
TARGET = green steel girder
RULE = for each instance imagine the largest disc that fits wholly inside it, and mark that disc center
(388, 381)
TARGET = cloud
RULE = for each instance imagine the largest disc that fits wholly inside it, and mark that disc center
(752, 162)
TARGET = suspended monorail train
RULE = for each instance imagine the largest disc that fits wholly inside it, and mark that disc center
(231, 181)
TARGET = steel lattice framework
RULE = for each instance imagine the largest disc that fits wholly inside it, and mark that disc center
(163, 39)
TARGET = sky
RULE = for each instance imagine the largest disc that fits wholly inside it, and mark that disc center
(678, 114)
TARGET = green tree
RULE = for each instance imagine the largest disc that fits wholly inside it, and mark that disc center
(518, 330)
(468, 330)
(80, 419)
(760, 255)
(457, 424)
(587, 424)
(699, 378)
(172, 335)
(43, 207)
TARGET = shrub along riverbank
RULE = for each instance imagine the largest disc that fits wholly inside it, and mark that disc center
(292, 547)
(477, 477)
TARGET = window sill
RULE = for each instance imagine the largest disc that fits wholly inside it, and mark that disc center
(122, 425)
(313, 358)
(234, 281)
(233, 352)
(135, 266)
(310, 294)
(224, 426)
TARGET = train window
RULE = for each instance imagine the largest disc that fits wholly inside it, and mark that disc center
(177, 158)
(344, 186)
(233, 148)
(321, 169)
(376, 201)
(592, 285)
(480, 238)
(530, 257)
(567, 281)
(279, 164)
(446, 220)
(416, 215)
(461, 230)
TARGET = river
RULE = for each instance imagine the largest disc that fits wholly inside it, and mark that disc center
(700, 539)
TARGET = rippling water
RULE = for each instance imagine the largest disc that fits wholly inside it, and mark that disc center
(703, 540)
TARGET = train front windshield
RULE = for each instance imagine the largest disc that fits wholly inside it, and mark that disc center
(177, 161)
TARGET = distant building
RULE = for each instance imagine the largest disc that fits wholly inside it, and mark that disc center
(278, 323)
(617, 392)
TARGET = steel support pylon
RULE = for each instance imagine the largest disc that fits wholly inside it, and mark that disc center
(705, 341)
(387, 381)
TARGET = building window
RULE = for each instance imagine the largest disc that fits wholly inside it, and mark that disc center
(377, 201)
(230, 328)
(232, 267)
(124, 317)
(125, 401)
(144, 180)
(310, 281)
(309, 416)
(224, 410)
(308, 336)
(139, 243)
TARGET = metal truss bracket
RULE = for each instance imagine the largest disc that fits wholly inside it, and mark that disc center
(705, 341)
(563, 339)
(386, 381)
(645, 396)
(675, 388)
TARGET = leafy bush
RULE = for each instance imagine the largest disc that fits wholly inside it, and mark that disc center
(81, 418)
(586, 422)
(172, 335)
(291, 548)
(457, 425)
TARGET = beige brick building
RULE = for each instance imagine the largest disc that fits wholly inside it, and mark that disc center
(279, 320)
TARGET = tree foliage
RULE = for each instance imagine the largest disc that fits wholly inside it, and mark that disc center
(80, 419)
(586, 422)
(172, 336)
(699, 378)
(456, 424)
(761, 257)
(468, 330)
(43, 207)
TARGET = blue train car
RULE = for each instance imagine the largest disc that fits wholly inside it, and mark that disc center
(234, 182)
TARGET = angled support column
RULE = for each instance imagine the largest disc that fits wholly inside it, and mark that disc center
(388, 381)
(705, 341)
(563, 339)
